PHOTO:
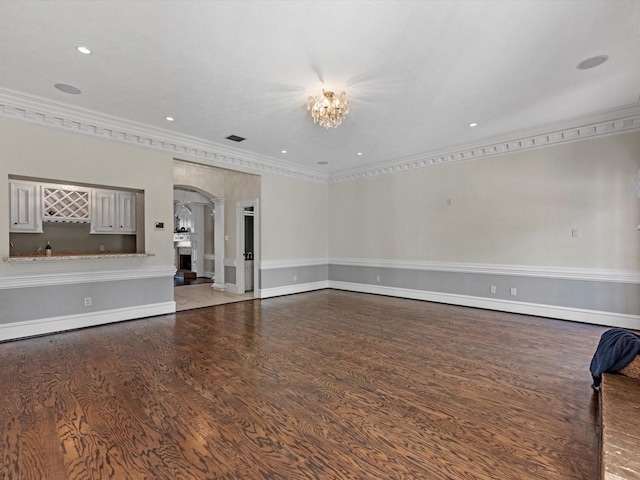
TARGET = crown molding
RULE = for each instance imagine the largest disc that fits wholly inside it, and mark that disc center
(17, 106)
(22, 107)
(610, 122)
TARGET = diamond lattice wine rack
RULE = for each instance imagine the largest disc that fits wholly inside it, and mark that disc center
(64, 205)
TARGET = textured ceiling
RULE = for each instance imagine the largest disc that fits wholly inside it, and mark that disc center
(416, 73)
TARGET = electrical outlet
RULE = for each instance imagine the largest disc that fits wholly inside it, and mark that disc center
(87, 301)
(493, 289)
(378, 278)
(514, 291)
(102, 248)
(295, 278)
(575, 232)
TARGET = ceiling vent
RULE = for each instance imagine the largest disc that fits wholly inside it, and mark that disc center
(235, 138)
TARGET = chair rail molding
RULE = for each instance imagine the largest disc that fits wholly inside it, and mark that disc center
(40, 279)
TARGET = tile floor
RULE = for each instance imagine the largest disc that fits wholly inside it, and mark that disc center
(188, 297)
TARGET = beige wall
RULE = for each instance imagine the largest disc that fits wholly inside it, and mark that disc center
(238, 187)
(510, 209)
(202, 177)
(516, 209)
(294, 219)
(44, 153)
(222, 183)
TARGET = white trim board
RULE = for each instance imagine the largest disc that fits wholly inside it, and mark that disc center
(567, 273)
(524, 308)
(293, 263)
(29, 328)
(40, 279)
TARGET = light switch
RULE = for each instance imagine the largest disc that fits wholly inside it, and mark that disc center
(575, 232)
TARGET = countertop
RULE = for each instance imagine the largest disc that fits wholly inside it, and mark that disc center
(72, 256)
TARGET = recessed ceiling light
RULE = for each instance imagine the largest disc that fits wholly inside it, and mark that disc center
(592, 62)
(70, 89)
(169, 119)
(323, 163)
(359, 153)
(283, 151)
(474, 124)
(83, 50)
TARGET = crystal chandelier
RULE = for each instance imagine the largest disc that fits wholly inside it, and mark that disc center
(328, 110)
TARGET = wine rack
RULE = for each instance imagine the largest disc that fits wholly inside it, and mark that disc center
(64, 205)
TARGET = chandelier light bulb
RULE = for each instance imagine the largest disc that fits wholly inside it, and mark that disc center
(328, 109)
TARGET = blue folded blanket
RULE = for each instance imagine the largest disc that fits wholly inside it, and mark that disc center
(617, 348)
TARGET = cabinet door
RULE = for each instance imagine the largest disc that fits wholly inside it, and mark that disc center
(103, 212)
(126, 212)
(26, 208)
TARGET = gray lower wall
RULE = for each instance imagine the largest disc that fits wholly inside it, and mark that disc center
(32, 303)
(589, 295)
(230, 275)
(281, 277)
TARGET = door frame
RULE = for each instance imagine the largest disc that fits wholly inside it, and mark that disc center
(240, 233)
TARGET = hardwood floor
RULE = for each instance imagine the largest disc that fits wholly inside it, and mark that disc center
(321, 385)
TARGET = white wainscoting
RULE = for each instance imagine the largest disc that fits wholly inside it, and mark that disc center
(567, 273)
(526, 308)
(289, 289)
(541, 310)
(69, 322)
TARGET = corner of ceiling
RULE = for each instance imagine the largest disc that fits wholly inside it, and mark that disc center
(21, 107)
(17, 106)
(619, 120)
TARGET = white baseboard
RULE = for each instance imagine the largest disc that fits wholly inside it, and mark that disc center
(551, 311)
(289, 289)
(69, 322)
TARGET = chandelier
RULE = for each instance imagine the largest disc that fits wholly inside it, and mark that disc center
(328, 110)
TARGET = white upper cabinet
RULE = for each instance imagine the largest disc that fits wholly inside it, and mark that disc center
(126, 202)
(107, 211)
(25, 207)
(113, 212)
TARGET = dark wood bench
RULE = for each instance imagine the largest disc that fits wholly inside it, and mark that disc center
(620, 427)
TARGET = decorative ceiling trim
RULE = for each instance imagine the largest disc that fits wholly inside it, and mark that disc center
(17, 106)
(607, 127)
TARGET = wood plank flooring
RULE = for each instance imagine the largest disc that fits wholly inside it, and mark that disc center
(321, 385)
